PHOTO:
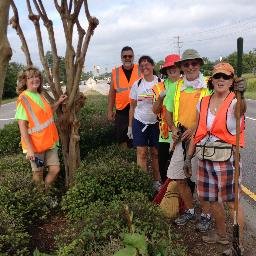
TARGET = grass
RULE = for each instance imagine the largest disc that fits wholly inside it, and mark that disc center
(5, 101)
(251, 86)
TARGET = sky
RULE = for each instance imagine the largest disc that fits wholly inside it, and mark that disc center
(153, 27)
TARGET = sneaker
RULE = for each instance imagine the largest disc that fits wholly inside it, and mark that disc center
(185, 218)
(213, 238)
(157, 185)
(204, 224)
(231, 252)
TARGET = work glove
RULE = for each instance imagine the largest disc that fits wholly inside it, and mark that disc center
(240, 86)
(129, 133)
(162, 94)
(187, 167)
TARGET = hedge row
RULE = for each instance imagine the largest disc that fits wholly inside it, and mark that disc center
(21, 205)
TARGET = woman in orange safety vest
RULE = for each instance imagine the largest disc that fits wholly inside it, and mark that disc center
(217, 122)
(39, 135)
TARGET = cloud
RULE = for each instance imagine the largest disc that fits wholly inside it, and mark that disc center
(152, 27)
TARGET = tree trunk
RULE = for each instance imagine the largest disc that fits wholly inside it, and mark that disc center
(69, 124)
(5, 49)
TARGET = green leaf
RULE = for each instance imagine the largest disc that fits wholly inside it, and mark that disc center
(127, 251)
(138, 241)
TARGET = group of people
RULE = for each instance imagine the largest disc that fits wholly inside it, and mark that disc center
(187, 115)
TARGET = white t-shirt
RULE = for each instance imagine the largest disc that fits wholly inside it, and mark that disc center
(231, 121)
(144, 96)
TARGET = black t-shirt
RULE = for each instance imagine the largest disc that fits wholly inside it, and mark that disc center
(128, 73)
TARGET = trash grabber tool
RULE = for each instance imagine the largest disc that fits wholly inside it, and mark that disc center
(236, 251)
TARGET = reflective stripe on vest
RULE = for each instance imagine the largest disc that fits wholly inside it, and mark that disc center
(118, 89)
(38, 127)
(204, 92)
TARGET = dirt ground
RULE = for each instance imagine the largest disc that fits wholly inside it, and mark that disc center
(196, 247)
(43, 238)
(43, 235)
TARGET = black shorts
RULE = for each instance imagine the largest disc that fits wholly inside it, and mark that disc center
(121, 124)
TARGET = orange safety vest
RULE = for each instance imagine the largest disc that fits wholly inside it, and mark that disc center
(163, 126)
(122, 86)
(41, 127)
(219, 126)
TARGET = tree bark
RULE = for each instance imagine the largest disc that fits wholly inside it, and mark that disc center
(5, 49)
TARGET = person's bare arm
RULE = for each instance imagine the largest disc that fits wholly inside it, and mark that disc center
(157, 106)
(62, 98)
(23, 125)
(133, 105)
(243, 108)
(173, 128)
(111, 101)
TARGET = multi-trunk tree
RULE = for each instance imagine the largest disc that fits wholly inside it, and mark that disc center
(5, 49)
(70, 13)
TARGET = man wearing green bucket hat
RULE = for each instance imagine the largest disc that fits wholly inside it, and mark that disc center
(181, 118)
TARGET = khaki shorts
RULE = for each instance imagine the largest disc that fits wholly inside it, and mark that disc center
(50, 157)
(175, 169)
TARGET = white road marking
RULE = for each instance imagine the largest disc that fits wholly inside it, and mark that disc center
(254, 119)
(6, 119)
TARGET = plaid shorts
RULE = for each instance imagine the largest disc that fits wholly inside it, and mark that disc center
(215, 180)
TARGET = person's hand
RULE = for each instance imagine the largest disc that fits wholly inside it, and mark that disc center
(30, 155)
(175, 134)
(187, 167)
(240, 85)
(187, 135)
(129, 133)
(162, 94)
(62, 98)
(111, 115)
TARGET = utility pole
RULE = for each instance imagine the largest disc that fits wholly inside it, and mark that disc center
(178, 43)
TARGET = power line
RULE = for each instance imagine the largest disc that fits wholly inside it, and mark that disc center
(218, 28)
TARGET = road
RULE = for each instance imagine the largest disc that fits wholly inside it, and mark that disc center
(7, 112)
(248, 154)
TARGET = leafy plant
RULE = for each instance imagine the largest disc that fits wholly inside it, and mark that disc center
(10, 139)
(103, 181)
(21, 199)
(14, 239)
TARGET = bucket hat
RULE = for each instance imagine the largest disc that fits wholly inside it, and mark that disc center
(169, 61)
(190, 54)
(223, 67)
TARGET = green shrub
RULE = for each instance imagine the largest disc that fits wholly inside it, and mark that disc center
(21, 199)
(108, 153)
(10, 139)
(102, 179)
(14, 163)
(103, 222)
(14, 239)
(95, 129)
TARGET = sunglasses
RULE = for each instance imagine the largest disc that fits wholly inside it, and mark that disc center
(127, 56)
(221, 75)
(192, 63)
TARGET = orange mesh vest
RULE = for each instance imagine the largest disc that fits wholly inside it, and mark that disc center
(163, 126)
(122, 86)
(41, 128)
(219, 126)
(187, 108)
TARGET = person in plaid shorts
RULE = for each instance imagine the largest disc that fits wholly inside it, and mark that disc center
(217, 122)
